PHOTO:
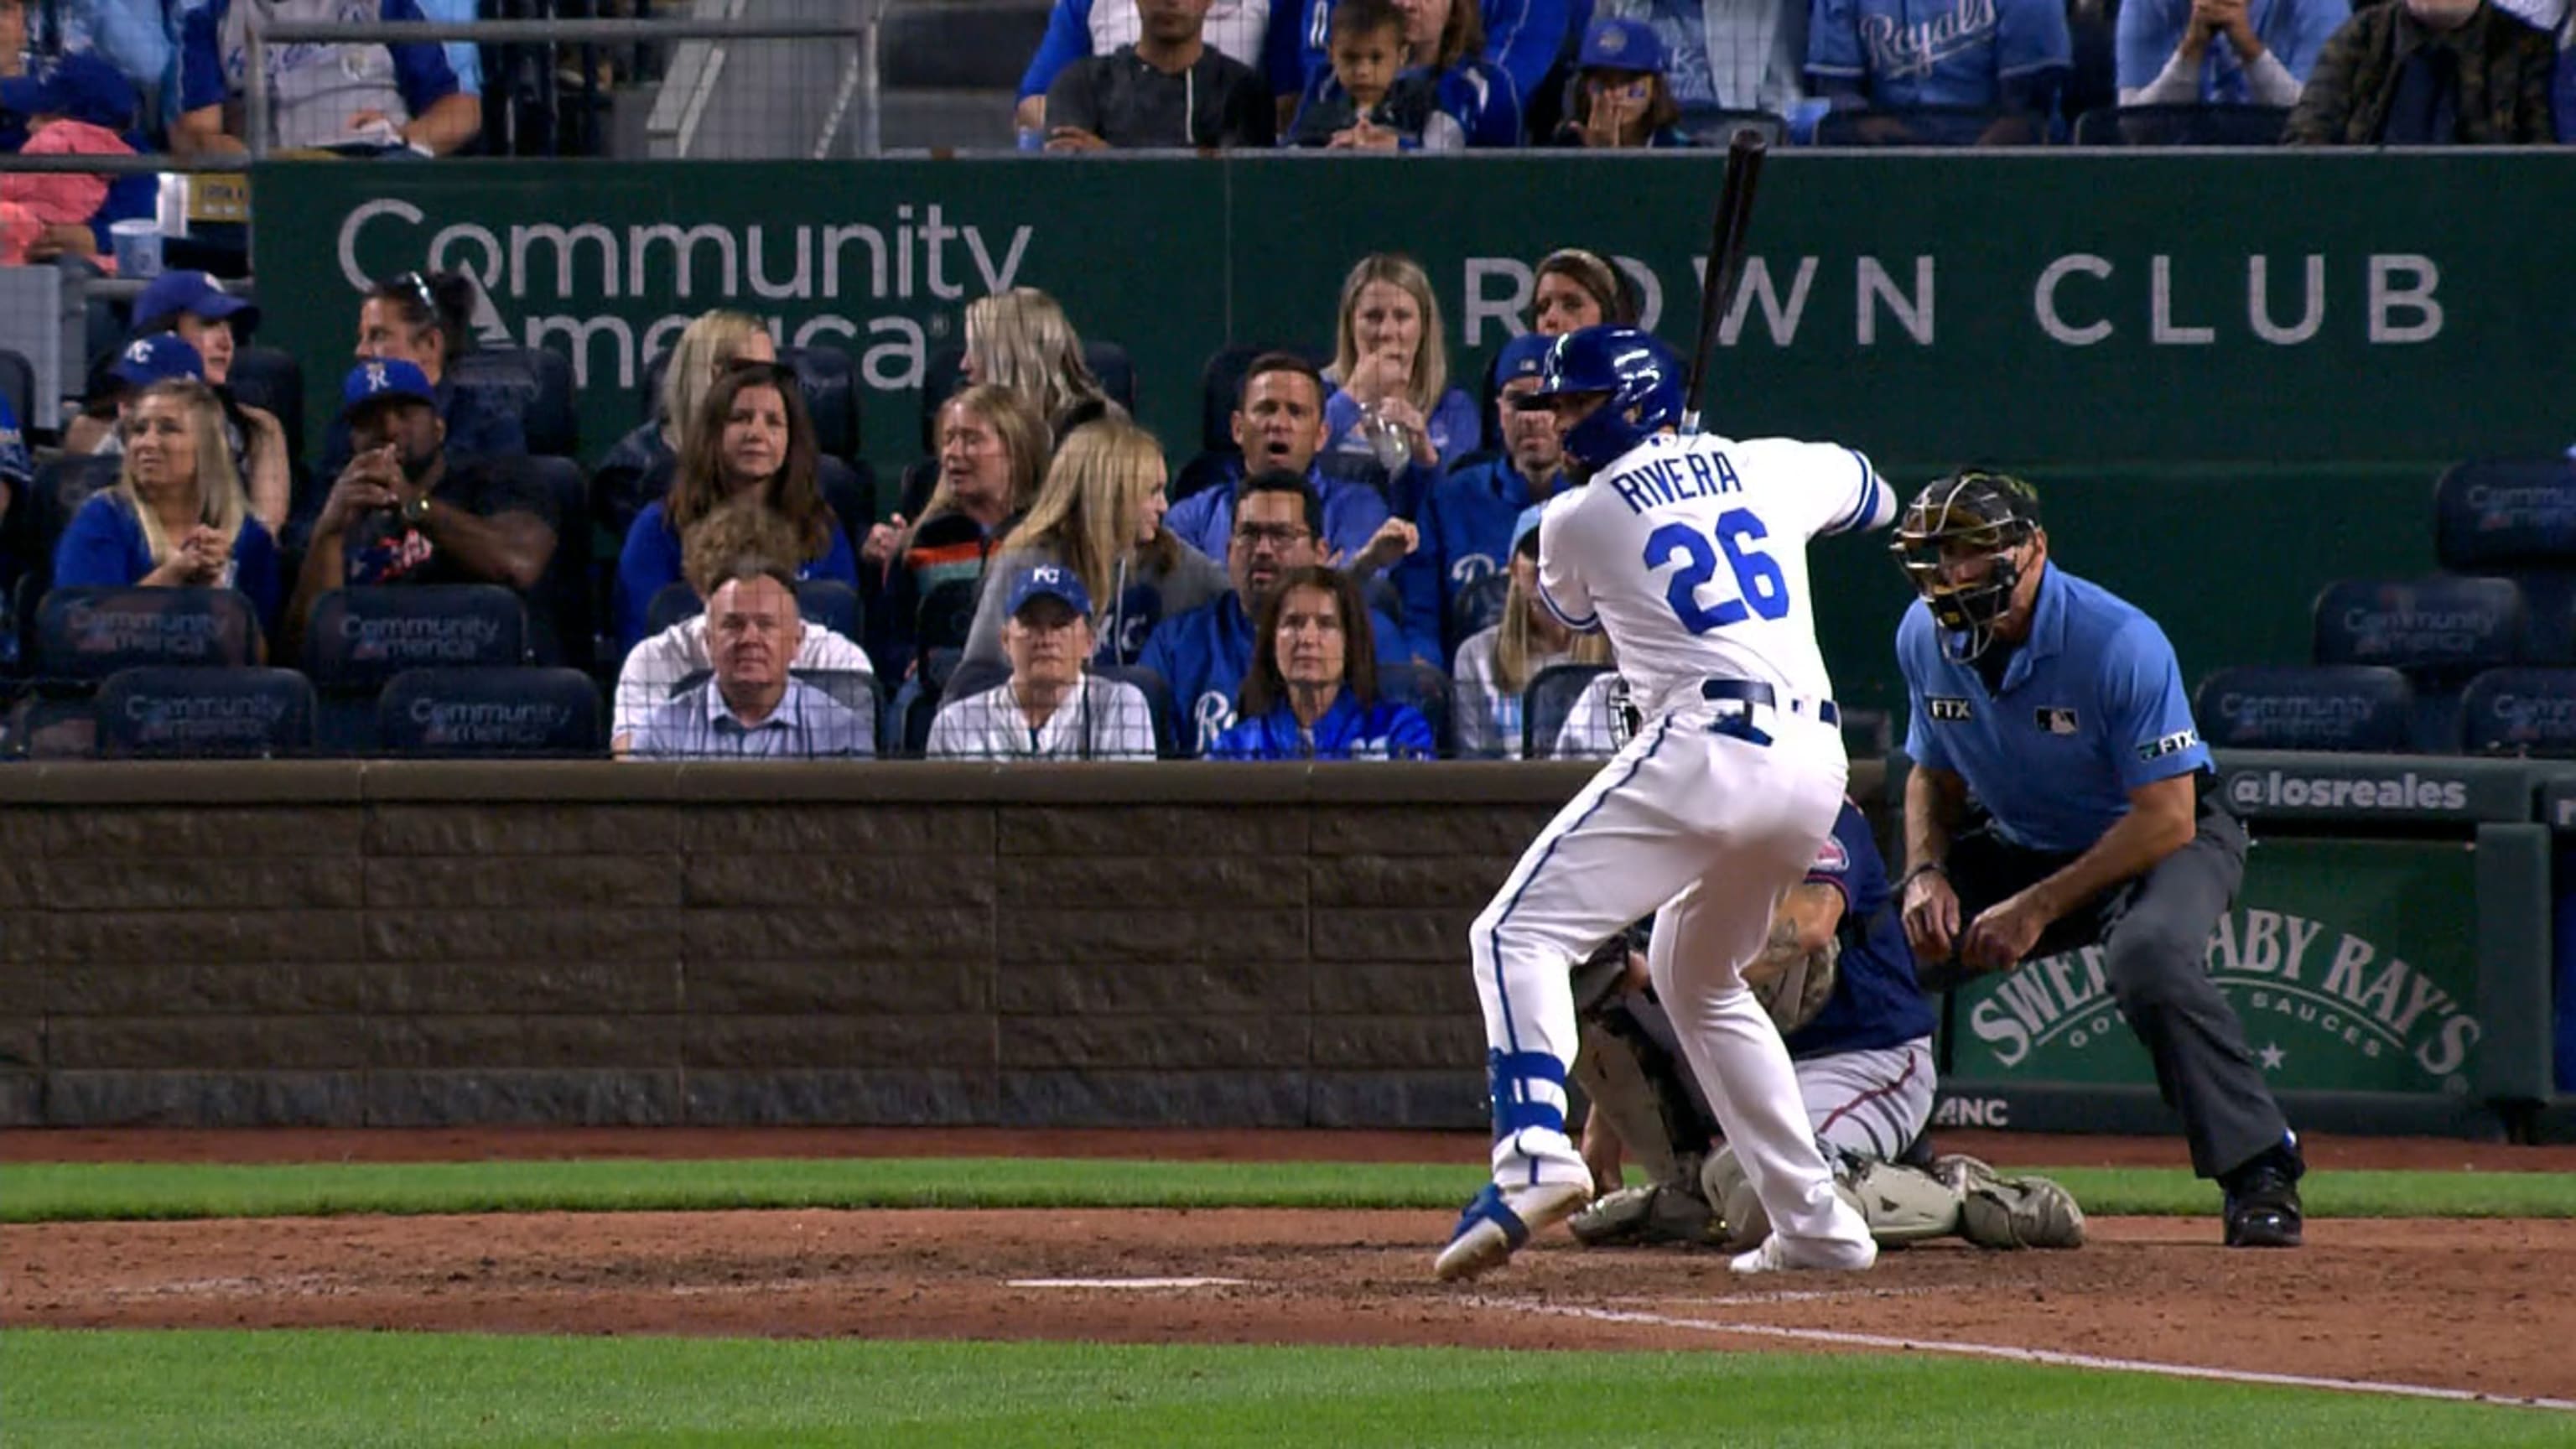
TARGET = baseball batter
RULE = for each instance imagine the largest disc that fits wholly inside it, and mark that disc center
(1691, 554)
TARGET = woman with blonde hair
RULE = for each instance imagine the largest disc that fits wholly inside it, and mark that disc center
(638, 469)
(1022, 340)
(993, 454)
(1390, 378)
(1101, 515)
(1495, 665)
(751, 441)
(177, 516)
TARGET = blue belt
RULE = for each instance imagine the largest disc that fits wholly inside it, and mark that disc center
(1754, 691)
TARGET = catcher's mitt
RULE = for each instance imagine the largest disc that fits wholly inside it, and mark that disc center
(1793, 985)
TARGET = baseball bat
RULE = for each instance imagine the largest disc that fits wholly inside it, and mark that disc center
(1725, 266)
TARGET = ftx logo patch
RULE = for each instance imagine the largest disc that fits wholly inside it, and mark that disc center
(2056, 719)
(1945, 707)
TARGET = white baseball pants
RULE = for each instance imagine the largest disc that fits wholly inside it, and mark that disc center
(1870, 1103)
(1711, 813)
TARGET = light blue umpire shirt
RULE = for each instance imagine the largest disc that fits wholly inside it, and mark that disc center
(2092, 707)
(697, 724)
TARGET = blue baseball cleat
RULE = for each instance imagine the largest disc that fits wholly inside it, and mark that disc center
(1498, 1221)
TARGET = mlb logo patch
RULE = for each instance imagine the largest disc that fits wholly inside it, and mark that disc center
(1832, 859)
(1948, 708)
(2057, 720)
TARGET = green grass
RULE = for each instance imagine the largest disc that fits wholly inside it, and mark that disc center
(49, 1192)
(71, 1390)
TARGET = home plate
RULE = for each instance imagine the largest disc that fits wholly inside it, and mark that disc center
(1126, 1283)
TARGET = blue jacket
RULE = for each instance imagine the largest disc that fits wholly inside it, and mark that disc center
(1205, 520)
(1466, 528)
(103, 547)
(1204, 653)
(1522, 38)
(650, 563)
(1876, 1001)
(1348, 731)
(1905, 53)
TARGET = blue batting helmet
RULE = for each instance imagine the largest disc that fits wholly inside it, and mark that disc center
(1641, 375)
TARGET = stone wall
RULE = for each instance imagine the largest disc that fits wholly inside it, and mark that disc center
(424, 944)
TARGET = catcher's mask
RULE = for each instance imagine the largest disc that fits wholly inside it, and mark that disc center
(1952, 526)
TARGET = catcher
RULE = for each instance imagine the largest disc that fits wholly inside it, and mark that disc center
(1838, 978)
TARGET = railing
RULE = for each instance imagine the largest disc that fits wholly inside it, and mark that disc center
(858, 89)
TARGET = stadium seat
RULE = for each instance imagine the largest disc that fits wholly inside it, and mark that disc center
(2520, 712)
(361, 637)
(1427, 690)
(1476, 608)
(62, 486)
(1158, 703)
(270, 378)
(1868, 734)
(832, 400)
(553, 426)
(674, 603)
(504, 380)
(2182, 125)
(851, 490)
(1546, 702)
(91, 633)
(567, 584)
(1925, 126)
(2503, 514)
(42, 728)
(195, 713)
(966, 679)
(2353, 707)
(18, 390)
(946, 615)
(2440, 629)
(490, 712)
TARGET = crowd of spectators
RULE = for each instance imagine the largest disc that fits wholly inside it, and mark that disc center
(1440, 75)
(1047, 588)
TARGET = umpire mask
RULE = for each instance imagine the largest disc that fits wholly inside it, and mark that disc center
(1956, 543)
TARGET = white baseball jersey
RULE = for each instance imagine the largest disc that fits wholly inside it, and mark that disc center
(1692, 554)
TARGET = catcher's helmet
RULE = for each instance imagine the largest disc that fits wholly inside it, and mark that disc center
(1641, 375)
(1952, 526)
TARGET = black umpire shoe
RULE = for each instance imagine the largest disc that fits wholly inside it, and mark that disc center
(2263, 1201)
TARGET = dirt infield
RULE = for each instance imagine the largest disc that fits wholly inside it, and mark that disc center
(2377, 1301)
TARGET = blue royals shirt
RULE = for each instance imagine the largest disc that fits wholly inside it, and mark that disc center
(1466, 528)
(2092, 708)
(1203, 655)
(1876, 1003)
(1348, 731)
(1937, 52)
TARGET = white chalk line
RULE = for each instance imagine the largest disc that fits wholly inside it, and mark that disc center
(2051, 1357)
(1125, 1283)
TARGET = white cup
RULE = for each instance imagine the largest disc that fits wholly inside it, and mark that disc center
(138, 248)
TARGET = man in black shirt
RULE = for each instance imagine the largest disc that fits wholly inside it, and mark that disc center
(1170, 89)
(400, 514)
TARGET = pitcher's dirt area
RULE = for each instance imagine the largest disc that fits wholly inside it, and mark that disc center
(2368, 1300)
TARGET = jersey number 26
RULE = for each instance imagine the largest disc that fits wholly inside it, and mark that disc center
(1760, 587)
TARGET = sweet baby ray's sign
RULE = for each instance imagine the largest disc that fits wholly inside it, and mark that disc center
(2352, 964)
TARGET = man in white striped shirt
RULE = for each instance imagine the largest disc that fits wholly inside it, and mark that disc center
(1050, 708)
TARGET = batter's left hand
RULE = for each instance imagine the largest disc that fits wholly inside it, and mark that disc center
(2005, 932)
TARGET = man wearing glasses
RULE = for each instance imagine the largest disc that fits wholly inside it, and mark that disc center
(1202, 655)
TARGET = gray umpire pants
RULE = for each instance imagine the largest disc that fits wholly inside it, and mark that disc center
(2154, 931)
